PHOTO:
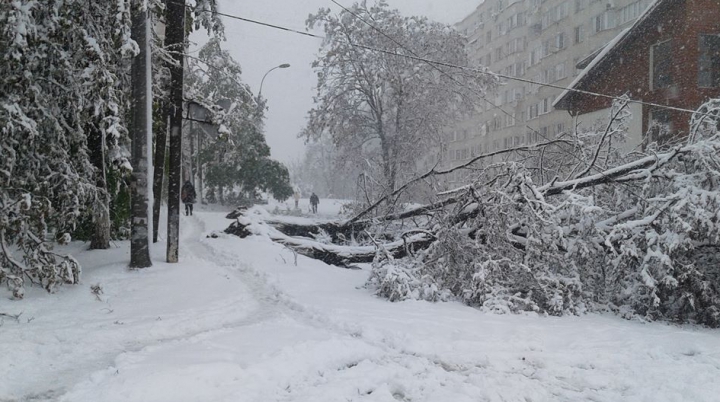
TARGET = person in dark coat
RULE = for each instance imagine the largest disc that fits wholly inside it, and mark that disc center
(187, 195)
(314, 201)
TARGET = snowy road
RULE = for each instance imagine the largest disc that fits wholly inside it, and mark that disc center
(237, 320)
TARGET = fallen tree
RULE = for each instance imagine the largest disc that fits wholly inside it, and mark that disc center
(587, 229)
(329, 253)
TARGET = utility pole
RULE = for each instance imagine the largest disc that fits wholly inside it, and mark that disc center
(175, 34)
(141, 139)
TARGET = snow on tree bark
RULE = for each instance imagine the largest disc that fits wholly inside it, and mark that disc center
(176, 44)
(142, 138)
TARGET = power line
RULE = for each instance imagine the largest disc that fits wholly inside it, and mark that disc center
(480, 95)
(450, 65)
(266, 24)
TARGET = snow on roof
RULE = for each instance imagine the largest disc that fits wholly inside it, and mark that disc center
(613, 44)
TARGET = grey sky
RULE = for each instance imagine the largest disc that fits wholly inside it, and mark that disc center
(289, 91)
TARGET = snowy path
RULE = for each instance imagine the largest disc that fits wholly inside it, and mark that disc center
(236, 320)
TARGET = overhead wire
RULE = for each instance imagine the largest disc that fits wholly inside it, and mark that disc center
(435, 63)
(450, 65)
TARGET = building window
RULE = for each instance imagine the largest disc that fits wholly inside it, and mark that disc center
(532, 137)
(532, 111)
(709, 63)
(496, 123)
(545, 105)
(507, 143)
(536, 55)
(661, 65)
(554, 44)
(604, 21)
(579, 34)
(544, 133)
(555, 14)
(510, 120)
(630, 12)
(560, 72)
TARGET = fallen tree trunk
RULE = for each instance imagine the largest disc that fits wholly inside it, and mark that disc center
(333, 254)
(338, 255)
(338, 230)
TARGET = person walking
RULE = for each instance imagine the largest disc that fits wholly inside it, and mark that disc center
(296, 196)
(187, 195)
(314, 201)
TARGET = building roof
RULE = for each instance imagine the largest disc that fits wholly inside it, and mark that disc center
(561, 102)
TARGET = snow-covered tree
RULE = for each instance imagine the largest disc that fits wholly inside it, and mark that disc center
(377, 97)
(236, 156)
(61, 101)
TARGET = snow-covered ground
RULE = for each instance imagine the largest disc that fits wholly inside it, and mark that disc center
(240, 320)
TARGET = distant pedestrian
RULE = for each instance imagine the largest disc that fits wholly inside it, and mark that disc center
(296, 196)
(314, 201)
(187, 195)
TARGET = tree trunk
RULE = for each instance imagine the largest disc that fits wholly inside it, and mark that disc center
(201, 191)
(193, 169)
(159, 167)
(141, 140)
(176, 43)
(101, 208)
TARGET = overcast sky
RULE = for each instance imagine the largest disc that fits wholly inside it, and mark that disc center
(289, 91)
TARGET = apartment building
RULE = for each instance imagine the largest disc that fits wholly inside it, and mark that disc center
(543, 41)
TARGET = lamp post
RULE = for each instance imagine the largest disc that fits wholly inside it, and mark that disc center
(284, 65)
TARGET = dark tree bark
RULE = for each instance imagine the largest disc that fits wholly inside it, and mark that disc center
(101, 208)
(176, 43)
(159, 167)
(142, 128)
(201, 191)
(333, 254)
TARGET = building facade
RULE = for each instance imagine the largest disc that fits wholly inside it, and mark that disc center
(669, 57)
(540, 41)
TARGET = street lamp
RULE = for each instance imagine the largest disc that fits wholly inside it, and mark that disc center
(284, 65)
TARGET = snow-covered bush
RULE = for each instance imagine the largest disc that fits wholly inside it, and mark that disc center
(403, 279)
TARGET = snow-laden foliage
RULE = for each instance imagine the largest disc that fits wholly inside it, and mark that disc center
(375, 95)
(235, 156)
(638, 234)
(61, 101)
